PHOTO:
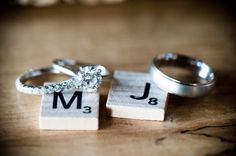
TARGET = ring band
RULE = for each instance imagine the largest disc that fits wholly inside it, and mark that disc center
(87, 79)
(178, 87)
(29, 89)
(71, 67)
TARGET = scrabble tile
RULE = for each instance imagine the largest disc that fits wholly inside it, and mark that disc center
(72, 110)
(133, 95)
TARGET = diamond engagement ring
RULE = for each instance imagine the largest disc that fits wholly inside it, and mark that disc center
(88, 79)
(205, 75)
(71, 67)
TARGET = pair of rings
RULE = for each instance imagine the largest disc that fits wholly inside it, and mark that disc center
(85, 77)
(88, 78)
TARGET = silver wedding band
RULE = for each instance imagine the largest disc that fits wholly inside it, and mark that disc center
(177, 87)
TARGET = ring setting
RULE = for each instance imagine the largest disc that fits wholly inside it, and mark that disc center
(87, 79)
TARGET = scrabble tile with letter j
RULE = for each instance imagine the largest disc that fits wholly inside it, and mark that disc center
(133, 95)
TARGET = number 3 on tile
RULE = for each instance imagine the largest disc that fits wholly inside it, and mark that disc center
(87, 109)
(152, 100)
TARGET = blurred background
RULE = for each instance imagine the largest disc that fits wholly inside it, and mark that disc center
(105, 30)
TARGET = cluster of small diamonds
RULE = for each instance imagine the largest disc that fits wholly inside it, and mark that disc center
(87, 79)
(57, 87)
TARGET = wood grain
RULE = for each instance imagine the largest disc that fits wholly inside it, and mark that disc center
(122, 37)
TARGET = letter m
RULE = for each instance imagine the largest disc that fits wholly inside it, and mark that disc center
(67, 105)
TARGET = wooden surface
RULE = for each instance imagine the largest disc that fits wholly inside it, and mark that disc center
(123, 37)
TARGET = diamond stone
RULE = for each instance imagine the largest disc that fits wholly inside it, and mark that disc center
(67, 84)
(77, 80)
(44, 89)
(89, 78)
(58, 88)
(48, 89)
